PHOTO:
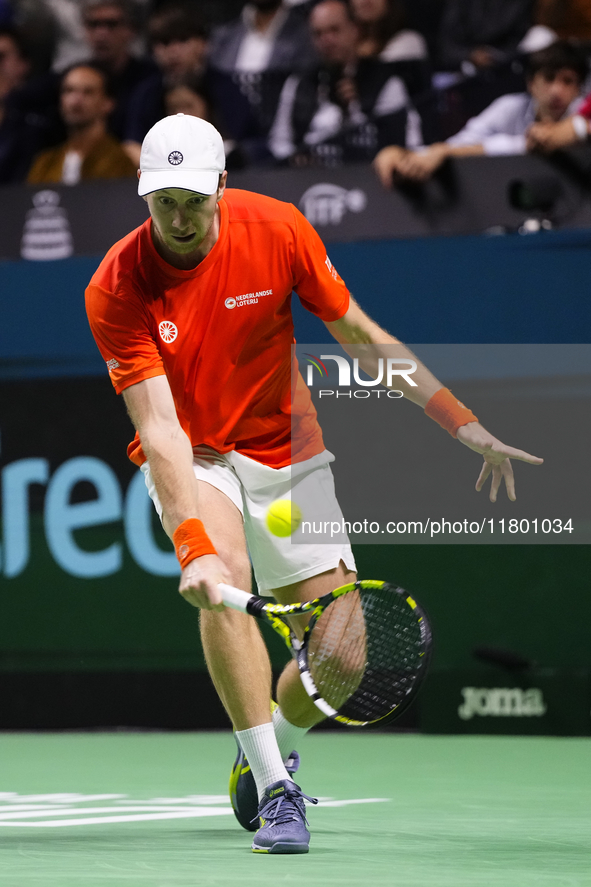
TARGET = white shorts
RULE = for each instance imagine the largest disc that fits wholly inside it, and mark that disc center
(252, 487)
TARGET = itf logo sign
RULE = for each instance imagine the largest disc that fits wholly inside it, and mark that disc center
(326, 204)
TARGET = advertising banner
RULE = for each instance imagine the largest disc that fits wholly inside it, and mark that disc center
(540, 701)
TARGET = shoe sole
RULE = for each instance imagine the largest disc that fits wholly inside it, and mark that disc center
(237, 771)
(282, 847)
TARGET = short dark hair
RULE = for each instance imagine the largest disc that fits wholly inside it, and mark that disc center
(174, 21)
(391, 23)
(343, 3)
(18, 40)
(197, 83)
(126, 7)
(559, 55)
(94, 66)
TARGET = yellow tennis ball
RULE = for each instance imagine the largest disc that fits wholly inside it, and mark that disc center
(283, 517)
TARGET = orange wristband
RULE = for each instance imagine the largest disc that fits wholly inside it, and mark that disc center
(191, 541)
(448, 411)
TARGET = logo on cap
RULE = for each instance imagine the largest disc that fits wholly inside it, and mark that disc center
(175, 157)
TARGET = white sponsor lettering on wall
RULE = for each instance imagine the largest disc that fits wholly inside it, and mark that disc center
(502, 702)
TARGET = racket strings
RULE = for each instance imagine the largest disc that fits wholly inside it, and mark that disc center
(368, 654)
(337, 650)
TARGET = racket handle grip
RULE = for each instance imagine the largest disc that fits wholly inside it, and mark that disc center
(235, 598)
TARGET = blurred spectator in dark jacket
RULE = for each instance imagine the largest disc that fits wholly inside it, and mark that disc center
(178, 38)
(382, 31)
(191, 96)
(19, 130)
(14, 65)
(6, 13)
(89, 151)
(250, 59)
(554, 79)
(267, 36)
(345, 108)
(110, 30)
(482, 32)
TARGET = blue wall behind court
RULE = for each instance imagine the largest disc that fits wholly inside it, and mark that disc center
(459, 289)
(471, 289)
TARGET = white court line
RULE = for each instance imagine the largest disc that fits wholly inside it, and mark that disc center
(55, 798)
(139, 817)
(60, 811)
(352, 801)
(188, 799)
(13, 818)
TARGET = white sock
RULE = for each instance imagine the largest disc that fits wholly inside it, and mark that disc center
(288, 735)
(260, 747)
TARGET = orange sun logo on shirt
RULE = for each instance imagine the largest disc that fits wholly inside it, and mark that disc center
(168, 331)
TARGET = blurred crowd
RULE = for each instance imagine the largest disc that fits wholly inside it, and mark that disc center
(400, 83)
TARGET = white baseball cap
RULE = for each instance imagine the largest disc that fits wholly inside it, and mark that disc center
(181, 151)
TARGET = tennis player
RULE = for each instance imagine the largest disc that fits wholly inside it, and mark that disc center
(191, 312)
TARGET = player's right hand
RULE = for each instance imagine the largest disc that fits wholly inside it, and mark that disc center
(200, 580)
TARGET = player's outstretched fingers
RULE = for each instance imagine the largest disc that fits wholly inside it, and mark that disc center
(484, 473)
(507, 472)
(522, 456)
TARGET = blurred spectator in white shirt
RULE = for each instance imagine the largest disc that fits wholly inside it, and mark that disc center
(343, 109)
(554, 79)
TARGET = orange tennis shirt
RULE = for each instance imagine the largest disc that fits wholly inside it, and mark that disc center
(221, 332)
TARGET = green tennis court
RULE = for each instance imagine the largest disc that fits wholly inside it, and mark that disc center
(150, 809)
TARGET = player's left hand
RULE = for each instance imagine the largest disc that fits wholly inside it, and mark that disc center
(496, 458)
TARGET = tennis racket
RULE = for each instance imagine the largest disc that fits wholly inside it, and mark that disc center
(365, 650)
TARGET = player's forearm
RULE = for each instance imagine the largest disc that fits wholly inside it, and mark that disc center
(170, 457)
(357, 329)
(425, 383)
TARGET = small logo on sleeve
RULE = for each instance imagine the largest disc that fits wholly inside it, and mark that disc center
(331, 268)
(112, 364)
(168, 331)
